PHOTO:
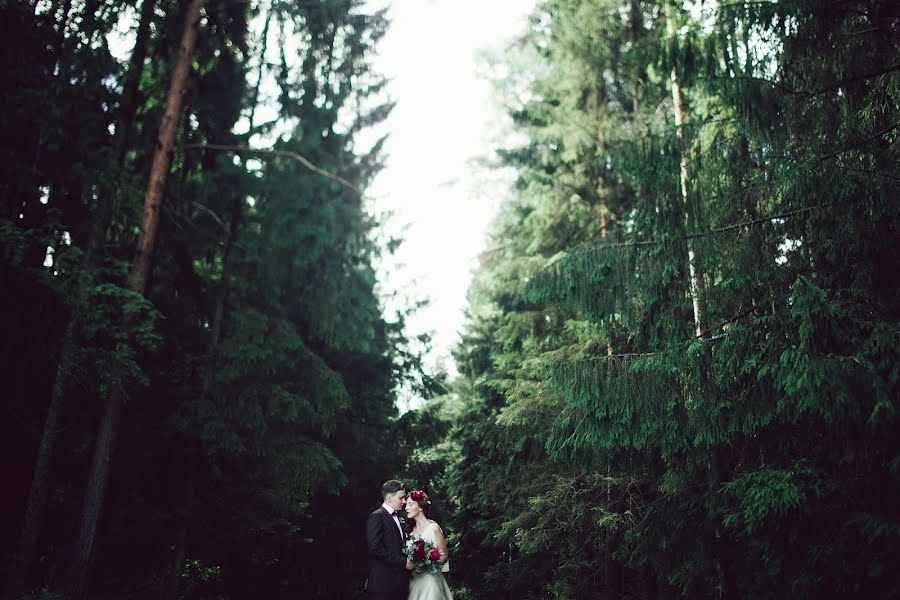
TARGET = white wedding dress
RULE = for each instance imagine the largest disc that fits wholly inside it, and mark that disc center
(430, 586)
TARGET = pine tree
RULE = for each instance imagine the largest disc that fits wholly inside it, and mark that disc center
(714, 418)
(259, 370)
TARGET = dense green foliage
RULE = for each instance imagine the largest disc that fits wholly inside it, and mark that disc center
(679, 375)
(259, 373)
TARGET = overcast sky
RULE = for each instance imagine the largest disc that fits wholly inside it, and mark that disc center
(445, 118)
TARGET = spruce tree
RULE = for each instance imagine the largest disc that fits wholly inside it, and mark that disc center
(688, 386)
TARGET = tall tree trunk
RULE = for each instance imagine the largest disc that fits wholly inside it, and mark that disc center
(37, 496)
(603, 212)
(162, 157)
(129, 106)
(140, 270)
(26, 548)
(602, 208)
(680, 117)
(635, 23)
(79, 566)
(725, 587)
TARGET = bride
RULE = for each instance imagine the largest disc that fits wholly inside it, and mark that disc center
(426, 586)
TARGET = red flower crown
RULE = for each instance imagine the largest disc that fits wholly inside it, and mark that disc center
(419, 496)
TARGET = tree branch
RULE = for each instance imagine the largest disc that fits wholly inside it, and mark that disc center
(293, 155)
(828, 88)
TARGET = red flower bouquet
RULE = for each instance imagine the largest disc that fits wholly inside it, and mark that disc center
(423, 554)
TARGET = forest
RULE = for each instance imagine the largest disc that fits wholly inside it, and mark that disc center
(678, 376)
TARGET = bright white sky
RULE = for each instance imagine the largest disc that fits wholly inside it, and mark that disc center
(445, 118)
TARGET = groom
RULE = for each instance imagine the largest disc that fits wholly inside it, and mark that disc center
(389, 575)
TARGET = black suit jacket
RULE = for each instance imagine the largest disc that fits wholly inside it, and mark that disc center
(388, 573)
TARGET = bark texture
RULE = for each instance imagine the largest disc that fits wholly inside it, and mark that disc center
(140, 270)
(681, 112)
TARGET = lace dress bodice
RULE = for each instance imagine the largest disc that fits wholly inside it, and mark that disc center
(429, 534)
(430, 586)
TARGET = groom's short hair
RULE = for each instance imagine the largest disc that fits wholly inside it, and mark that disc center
(391, 486)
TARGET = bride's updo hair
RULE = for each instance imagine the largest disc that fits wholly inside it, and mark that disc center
(420, 498)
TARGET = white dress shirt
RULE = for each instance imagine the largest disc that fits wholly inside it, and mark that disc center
(396, 517)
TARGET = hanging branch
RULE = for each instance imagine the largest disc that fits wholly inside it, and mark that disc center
(705, 338)
(293, 155)
(603, 357)
(576, 278)
(742, 224)
(611, 266)
(683, 238)
(818, 91)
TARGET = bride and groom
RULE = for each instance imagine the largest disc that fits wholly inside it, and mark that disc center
(393, 576)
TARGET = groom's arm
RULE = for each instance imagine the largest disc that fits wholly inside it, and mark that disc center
(377, 548)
